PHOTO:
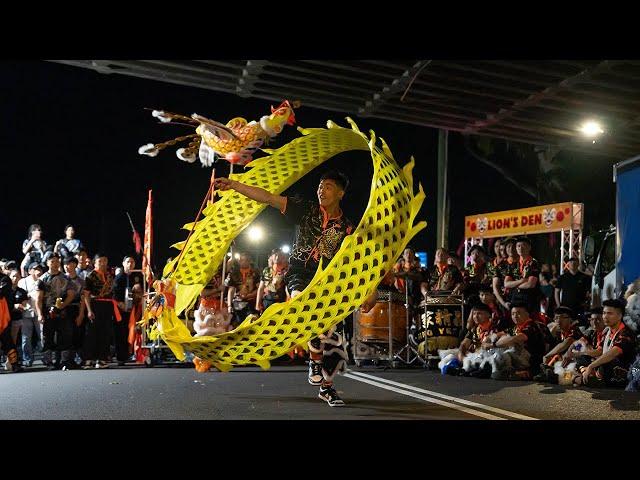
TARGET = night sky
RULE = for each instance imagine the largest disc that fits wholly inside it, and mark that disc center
(69, 142)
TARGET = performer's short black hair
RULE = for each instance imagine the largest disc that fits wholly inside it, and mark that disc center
(596, 311)
(340, 178)
(483, 307)
(615, 303)
(524, 240)
(521, 305)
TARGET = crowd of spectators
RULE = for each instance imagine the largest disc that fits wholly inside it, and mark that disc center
(522, 319)
(65, 307)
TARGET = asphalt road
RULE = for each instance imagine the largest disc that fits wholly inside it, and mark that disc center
(282, 393)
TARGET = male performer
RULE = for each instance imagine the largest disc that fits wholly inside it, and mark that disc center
(322, 229)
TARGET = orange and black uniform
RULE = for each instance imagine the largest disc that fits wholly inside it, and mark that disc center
(476, 276)
(535, 343)
(482, 333)
(443, 277)
(493, 265)
(525, 268)
(501, 319)
(613, 373)
(6, 342)
(502, 270)
(318, 237)
(623, 339)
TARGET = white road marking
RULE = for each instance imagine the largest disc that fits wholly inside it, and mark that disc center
(470, 411)
(409, 389)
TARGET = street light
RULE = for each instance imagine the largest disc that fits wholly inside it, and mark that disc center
(285, 249)
(255, 234)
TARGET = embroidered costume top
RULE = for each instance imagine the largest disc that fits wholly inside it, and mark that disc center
(318, 236)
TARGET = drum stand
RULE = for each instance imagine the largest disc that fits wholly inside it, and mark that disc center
(412, 354)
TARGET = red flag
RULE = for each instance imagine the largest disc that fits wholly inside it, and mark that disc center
(148, 240)
(137, 242)
(136, 236)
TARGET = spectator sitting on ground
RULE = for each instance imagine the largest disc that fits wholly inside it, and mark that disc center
(473, 350)
(525, 346)
(614, 353)
(35, 249)
(569, 333)
(587, 345)
(68, 246)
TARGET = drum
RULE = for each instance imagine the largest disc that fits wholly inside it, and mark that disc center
(374, 326)
(442, 323)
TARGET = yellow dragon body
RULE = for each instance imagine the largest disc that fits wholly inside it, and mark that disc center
(337, 288)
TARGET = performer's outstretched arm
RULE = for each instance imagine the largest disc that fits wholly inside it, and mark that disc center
(254, 193)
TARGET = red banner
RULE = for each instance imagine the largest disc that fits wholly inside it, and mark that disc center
(148, 241)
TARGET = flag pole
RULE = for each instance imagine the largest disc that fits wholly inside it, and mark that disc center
(224, 260)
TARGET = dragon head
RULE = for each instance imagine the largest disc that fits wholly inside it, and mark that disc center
(283, 114)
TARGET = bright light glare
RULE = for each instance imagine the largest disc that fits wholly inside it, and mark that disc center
(236, 256)
(591, 129)
(285, 249)
(255, 234)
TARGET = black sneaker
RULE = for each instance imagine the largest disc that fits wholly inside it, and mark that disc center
(315, 373)
(330, 396)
